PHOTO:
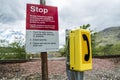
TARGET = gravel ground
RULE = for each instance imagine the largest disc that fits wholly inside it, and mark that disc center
(103, 69)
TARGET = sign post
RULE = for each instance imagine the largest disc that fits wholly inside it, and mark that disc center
(44, 62)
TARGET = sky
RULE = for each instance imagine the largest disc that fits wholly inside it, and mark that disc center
(100, 14)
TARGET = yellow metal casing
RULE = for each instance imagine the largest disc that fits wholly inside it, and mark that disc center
(80, 50)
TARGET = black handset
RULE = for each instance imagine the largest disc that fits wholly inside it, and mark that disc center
(87, 55)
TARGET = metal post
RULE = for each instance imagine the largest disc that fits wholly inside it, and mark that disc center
(42, 2)
(44, 58)
(79, 75)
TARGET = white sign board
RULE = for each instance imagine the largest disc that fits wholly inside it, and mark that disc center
(41, 28)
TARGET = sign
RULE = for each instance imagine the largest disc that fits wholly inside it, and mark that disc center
(41, 28)
(80, 50)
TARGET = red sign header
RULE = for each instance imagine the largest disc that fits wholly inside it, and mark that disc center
(41, 17)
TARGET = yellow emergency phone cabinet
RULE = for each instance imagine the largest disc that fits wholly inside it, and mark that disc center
(80, 50)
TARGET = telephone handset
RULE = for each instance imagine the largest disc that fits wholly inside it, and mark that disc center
(87, 55)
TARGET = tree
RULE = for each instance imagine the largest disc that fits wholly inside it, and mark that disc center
(62, 51)
(85, 26)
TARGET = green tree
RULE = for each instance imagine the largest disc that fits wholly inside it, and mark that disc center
(62, 51)
(85, 26)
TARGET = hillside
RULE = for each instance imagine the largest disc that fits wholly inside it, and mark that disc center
(108, 36)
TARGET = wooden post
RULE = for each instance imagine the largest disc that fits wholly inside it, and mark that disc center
(44, 65)
(44, 58)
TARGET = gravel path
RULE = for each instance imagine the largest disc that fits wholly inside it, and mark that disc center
(103, 69)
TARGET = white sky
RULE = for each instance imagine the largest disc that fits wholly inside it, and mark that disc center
(99, 14)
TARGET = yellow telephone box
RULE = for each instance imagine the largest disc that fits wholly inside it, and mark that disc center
(80, 50)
